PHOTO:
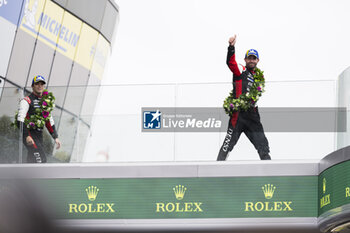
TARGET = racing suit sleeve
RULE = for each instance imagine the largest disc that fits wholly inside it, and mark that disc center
(50, 125)
(22, 113)
(231, 62)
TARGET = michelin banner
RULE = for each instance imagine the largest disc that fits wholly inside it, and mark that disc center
(52, 26)
(60, 30)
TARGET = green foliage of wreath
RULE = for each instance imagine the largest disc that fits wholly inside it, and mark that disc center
(42, 114)
(247, 100)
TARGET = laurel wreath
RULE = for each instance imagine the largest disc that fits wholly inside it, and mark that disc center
(247, 100)
(42, 114)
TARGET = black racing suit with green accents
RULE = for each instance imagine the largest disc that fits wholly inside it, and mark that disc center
(243, 121)
(27, 106)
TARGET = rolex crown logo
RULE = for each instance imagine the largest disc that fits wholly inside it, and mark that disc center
(268, 190)
(92, 192)
(179, 191)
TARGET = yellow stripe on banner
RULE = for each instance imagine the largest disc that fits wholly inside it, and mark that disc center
(103, 50)
(86, 46)
(69, 35)
(50, 25)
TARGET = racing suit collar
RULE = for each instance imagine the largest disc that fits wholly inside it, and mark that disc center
(37, 95)
(250, 70)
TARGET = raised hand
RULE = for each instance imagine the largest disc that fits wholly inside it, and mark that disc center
(232, 40)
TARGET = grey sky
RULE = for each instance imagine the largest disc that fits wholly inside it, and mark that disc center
(175, 41)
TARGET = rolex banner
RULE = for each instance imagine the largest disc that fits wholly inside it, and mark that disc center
(159, 198)
(334, 188)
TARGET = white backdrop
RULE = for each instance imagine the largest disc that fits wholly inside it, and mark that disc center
(172, 53)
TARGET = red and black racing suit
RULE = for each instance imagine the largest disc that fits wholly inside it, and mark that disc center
(243, 121)
(27, 106)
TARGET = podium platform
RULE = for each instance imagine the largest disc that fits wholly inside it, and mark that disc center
(240, 196)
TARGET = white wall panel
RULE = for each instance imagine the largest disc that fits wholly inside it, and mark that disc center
(21, 58)
(123, 141)
(7, 31)
(299, 94)
(277, 94)
(343, 139)
(130, 99)
(202, 95)
(119, 125)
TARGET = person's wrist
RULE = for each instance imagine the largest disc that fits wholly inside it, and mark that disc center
(231, 48)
